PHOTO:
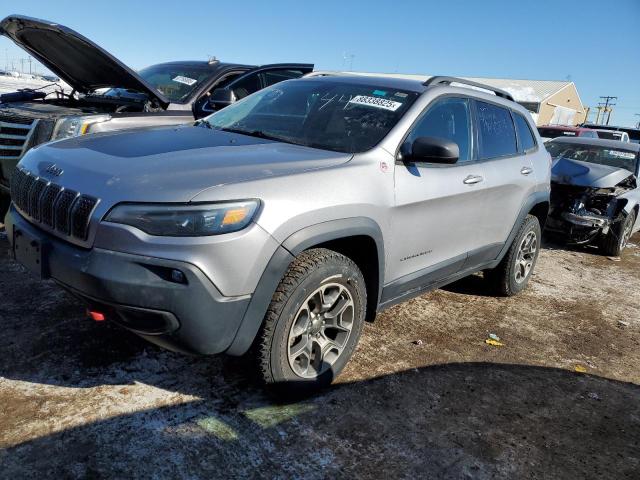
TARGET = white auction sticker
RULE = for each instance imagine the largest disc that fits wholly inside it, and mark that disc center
(618, 153)
(376, 102)
(185, 80)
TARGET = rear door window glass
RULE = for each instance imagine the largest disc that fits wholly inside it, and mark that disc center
(497, 135)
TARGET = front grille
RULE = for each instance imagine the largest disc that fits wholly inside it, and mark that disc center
(15, 131)
(65, 211)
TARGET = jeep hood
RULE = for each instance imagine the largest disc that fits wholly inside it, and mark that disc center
(585, 174)
(169, 164)
(75, 59)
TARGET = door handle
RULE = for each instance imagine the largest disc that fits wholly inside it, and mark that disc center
(472, 179)
(526, 170)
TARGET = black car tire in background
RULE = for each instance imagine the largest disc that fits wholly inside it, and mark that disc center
(616, 239)
(5, 201)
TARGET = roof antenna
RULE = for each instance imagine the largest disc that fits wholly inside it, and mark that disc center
(212, 59)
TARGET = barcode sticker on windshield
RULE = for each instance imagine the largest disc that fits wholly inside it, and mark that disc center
(376, 102)
(619, 154)
(185, 80)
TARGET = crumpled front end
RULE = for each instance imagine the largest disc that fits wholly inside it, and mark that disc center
(581, 214)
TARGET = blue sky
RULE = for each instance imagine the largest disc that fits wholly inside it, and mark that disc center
(592, 42)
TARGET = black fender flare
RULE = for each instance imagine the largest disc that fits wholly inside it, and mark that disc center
(295, 244)
(536, 198)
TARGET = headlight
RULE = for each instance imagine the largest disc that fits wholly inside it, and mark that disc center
(181, 220)
(75, 126)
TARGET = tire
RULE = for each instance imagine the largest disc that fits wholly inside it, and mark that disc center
(293, 331)
(512, 274)
(616, 239)
(5, 201)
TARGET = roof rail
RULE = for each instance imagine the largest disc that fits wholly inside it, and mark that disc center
(433, 81)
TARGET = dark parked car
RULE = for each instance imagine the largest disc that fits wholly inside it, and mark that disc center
(594, 191)
(107, 95)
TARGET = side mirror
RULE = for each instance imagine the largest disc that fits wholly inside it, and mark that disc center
(434, 150)
(221, 97)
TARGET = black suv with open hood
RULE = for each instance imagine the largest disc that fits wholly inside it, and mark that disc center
(107, 95)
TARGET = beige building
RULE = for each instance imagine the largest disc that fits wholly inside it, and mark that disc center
(550, 102)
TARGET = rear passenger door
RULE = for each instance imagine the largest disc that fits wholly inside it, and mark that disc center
(509, 171)
(438, 207)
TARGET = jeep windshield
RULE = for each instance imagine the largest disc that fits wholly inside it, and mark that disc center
(330, 115)
(175, 80)
(602, 155)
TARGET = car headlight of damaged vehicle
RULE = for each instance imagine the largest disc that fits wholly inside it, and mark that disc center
(180, 220)
(77, 125)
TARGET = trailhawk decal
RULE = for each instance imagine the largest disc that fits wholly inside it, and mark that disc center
(376, 102)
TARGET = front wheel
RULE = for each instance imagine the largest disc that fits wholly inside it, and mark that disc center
(314, 322)
(618, 236)
(512, 274)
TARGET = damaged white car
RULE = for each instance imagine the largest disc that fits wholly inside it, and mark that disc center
(594, 192)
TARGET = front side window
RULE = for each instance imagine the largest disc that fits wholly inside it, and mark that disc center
(331, 115)
(527, 142)
(271, 77)
(448, 119)
(496, 133)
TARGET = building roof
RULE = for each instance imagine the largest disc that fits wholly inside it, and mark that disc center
(522, 90)
(525, 90)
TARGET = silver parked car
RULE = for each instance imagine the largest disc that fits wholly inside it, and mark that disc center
(289, 218)
(594, 192)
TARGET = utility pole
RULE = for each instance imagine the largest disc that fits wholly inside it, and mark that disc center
(606, 108)
(638, 124)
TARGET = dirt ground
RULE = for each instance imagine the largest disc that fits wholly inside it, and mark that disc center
(423, 397)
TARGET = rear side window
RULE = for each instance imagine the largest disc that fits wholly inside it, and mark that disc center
(497, 135)
(527, 141)
(448, 119)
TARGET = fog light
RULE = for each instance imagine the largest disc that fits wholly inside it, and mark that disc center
(178, 277)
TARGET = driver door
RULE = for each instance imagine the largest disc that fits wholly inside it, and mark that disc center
(439, 208)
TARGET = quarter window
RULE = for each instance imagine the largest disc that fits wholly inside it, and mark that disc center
(527, 141)
(449, 119)
(497, 135)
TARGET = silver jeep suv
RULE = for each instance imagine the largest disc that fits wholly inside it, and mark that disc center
(286, 220)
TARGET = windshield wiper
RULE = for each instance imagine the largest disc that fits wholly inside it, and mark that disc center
(258, 134)
(203, 122)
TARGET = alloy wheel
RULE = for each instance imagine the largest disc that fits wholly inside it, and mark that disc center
(320, 330)
(526, 256)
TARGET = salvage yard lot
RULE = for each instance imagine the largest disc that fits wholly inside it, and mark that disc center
(424, 396)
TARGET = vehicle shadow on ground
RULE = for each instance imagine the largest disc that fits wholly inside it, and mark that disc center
(450, 421)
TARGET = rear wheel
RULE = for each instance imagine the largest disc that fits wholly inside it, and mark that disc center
(618, 236)
(512, 274)
(314, 322)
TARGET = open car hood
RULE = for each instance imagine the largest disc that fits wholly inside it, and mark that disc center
(75, 59)
(585, 174)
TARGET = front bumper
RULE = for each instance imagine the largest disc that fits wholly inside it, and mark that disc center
(186, 314)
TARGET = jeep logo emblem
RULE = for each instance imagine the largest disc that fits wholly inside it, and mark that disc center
(54, 170)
